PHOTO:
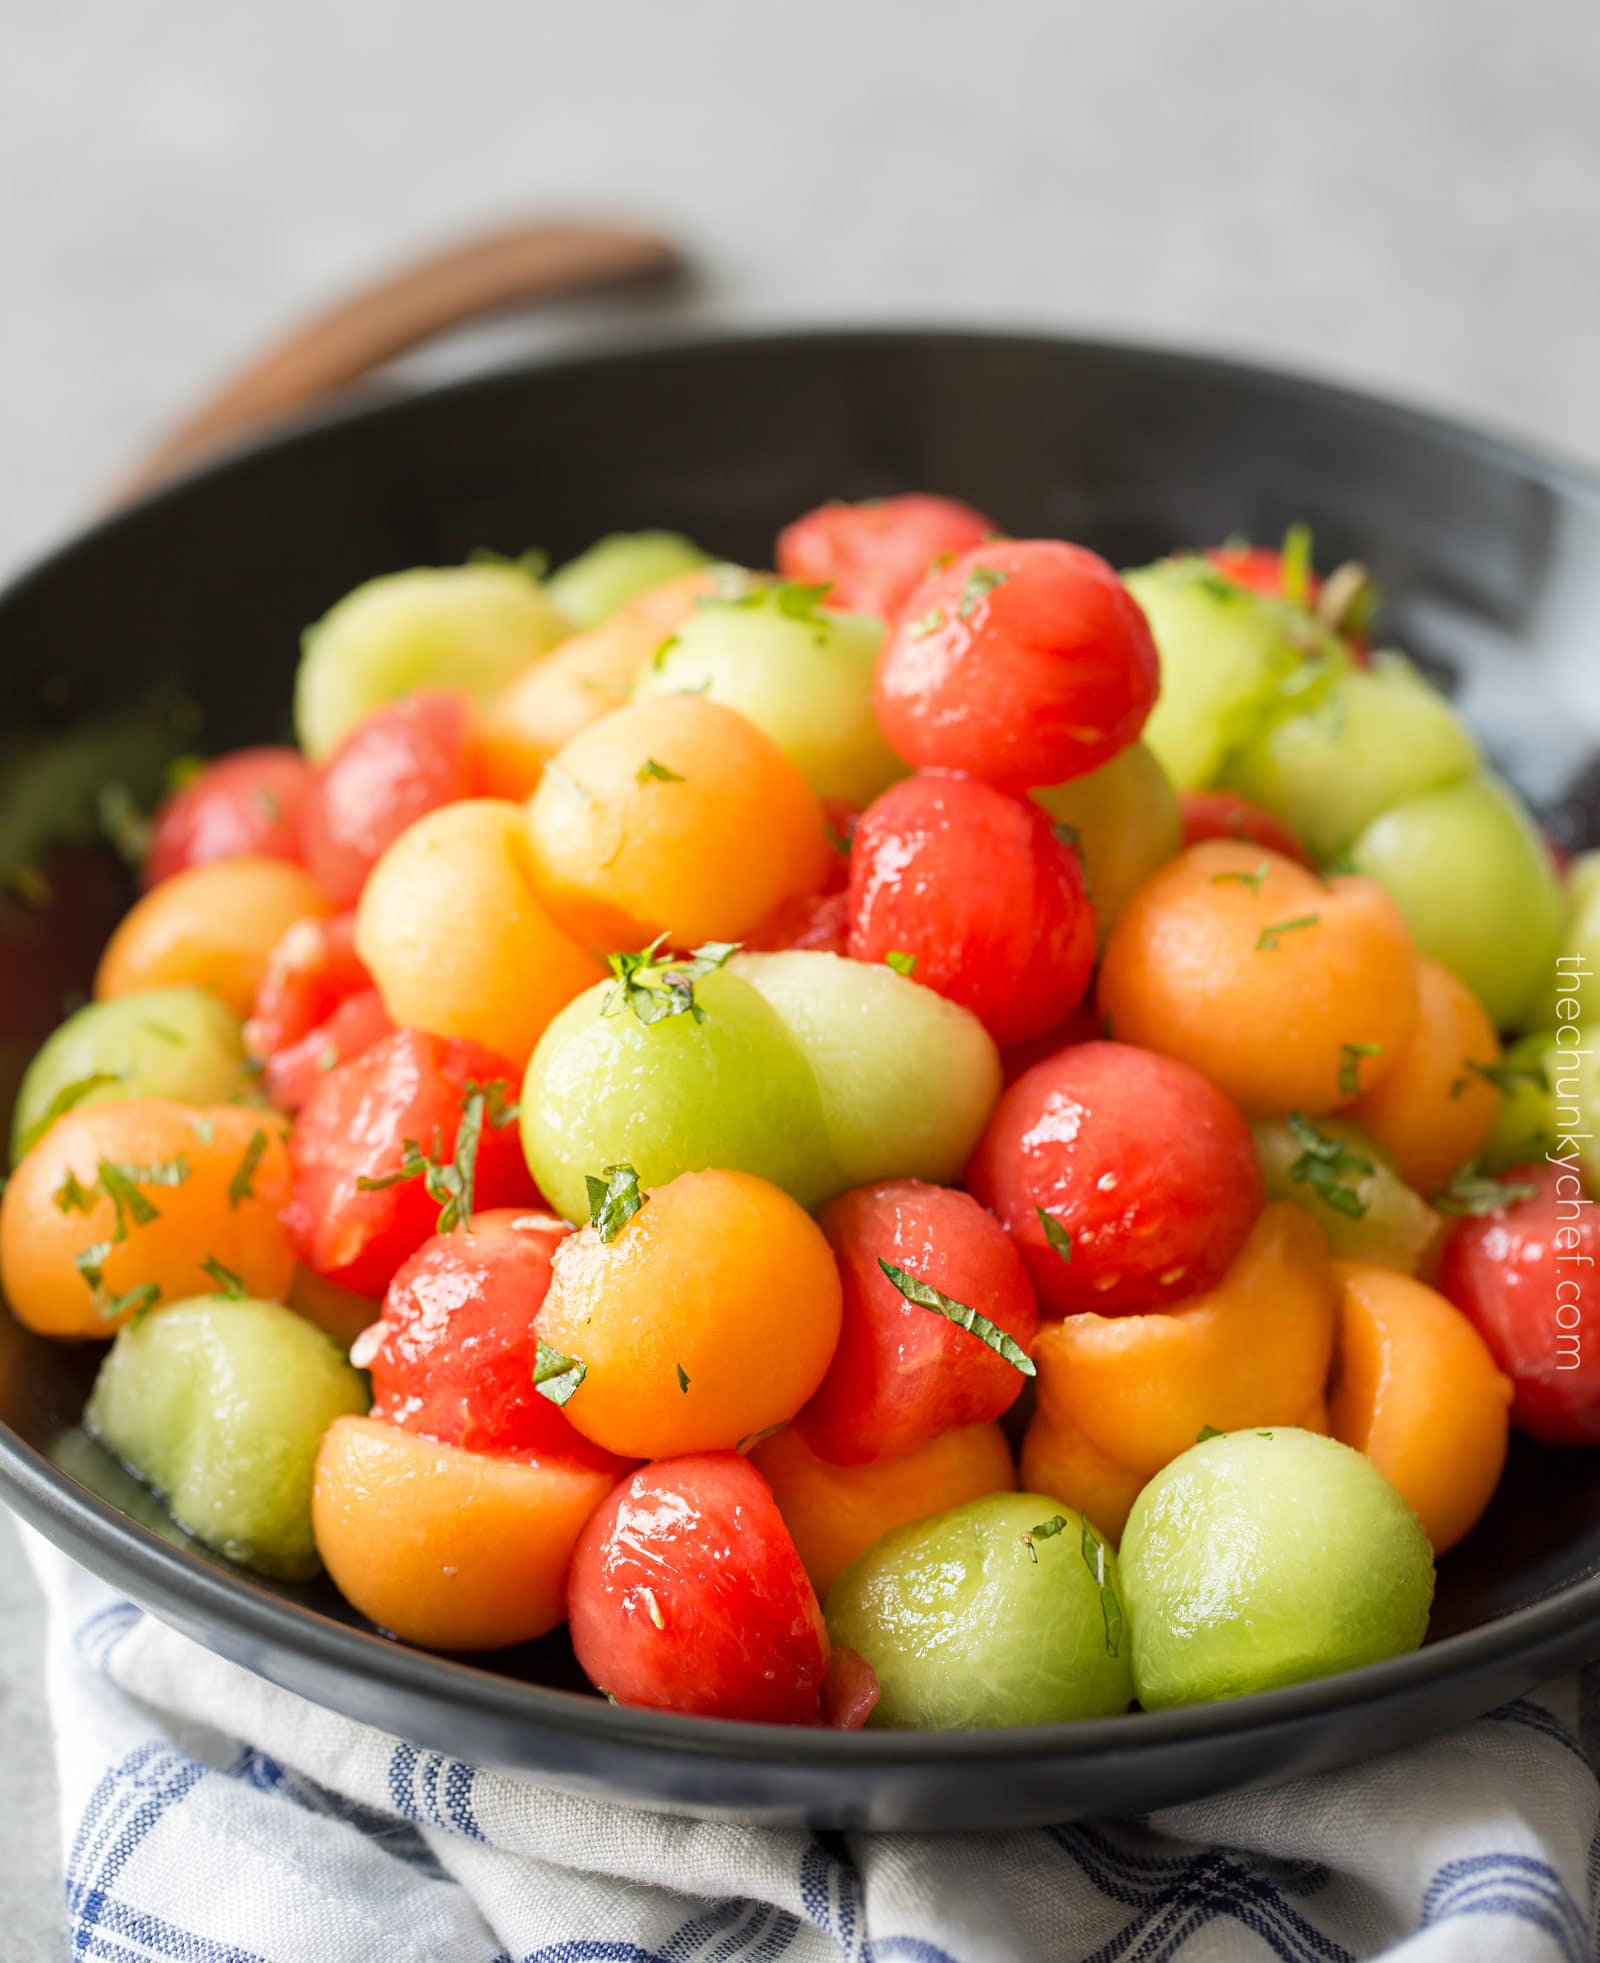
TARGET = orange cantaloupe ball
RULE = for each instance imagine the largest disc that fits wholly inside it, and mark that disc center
(708, 1318)
(456, 938)
(1432, 1109)
(443, 1547)
(559, 693)
(673, 815)
(1417, 1390)
(1252, 1351)
(222, 1210)
(211, 926)
(1288, 993)
(835, 1512)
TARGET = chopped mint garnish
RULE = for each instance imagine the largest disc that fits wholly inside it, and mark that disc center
(1094, 1559)
(127, 829)
(614, 1199)
(1350, 1055)
(1055, 1234)
(1323, 1164)
(556, 1376)
(655, 989)
(451, 1183)
(1472, 1191)
(122, 1184)
(980, 583)
(228, 1283)
(1295, 566)
(1251, 879)
(901, 962)
(1004, 1346)
(1267, 939)
(65, 1099)
(652, 772)
(752, 1439)
(241, 1186)
(72, 1196)
(560, 775)
(1506, 1076)
(140, 1300)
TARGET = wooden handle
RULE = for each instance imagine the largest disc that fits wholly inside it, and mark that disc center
(336, 348)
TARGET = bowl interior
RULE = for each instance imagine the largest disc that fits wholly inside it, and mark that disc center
(1489, 561)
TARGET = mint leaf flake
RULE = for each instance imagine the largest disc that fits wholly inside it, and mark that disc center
(1005, 1346)
(556, 1376)
(614, 1199)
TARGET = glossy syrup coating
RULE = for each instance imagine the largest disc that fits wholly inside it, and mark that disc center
(873, 555)
(1147, 1174)
(244, 805)
(977, 898)
(1023, 661)
(904, 1372)
(396, 765)
(1521, 1272)
(687, 1594)
(1263, 977)
(453, 1354)
(706, 1318)
(355, 1127)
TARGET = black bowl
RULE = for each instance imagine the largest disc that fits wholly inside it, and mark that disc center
(1490, 560)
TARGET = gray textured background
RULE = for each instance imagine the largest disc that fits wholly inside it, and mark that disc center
(1402, 193)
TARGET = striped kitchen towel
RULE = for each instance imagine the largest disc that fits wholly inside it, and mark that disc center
(210, 1818)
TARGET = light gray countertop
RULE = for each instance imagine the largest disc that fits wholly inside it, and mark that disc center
(1404, 196)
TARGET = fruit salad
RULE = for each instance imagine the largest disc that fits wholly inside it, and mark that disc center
(936, 1134)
